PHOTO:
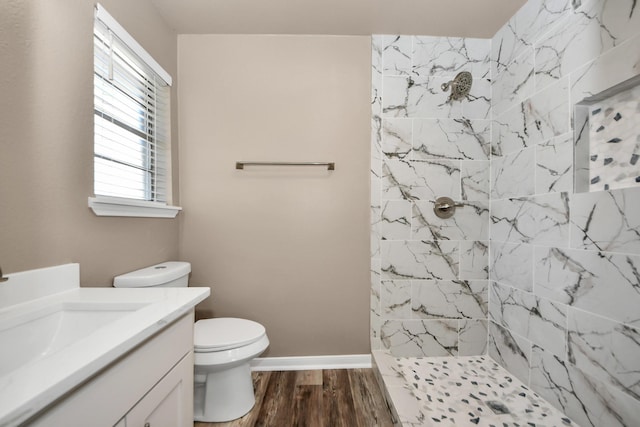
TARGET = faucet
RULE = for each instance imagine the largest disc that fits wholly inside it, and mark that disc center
(2, 278)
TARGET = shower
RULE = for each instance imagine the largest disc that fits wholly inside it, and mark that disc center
(460, 86)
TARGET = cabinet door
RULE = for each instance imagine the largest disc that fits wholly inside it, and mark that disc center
(170, 402)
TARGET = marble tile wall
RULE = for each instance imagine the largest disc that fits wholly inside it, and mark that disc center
(564, 294)
(555, 272)
(429, 275)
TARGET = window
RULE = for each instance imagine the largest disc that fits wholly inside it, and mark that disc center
(131, 121)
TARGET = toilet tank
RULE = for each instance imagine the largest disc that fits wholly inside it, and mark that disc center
(172, 274)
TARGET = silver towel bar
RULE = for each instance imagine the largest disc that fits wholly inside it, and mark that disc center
(330, 165)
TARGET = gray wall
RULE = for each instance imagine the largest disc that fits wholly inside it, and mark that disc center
(46, 141)
(283, 246)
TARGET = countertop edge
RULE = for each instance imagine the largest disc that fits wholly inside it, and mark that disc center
(18, 402)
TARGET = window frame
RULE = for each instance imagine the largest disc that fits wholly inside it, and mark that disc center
(105, 205)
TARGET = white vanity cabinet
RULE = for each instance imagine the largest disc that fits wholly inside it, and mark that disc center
(169, 403)
(151, 386)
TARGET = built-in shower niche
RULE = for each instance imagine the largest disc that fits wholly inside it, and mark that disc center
(607, 138)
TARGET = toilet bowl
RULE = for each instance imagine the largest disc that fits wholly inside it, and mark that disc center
(223, 350)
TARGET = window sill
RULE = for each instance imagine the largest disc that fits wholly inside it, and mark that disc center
(113, 206)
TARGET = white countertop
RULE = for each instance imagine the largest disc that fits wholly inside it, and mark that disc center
(33, 386)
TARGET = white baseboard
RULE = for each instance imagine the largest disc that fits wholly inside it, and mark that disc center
(302, 363)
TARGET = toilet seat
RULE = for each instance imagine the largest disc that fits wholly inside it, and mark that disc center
(225, 333)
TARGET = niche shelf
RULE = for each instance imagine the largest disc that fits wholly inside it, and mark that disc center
(607, 138)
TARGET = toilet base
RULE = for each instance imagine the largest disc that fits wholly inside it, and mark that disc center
(226, 395)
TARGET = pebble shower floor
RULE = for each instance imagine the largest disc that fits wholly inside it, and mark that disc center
(461, 391)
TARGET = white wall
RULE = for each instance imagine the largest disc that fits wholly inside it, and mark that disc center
(429, 275)
(563, 266)
(564, 295)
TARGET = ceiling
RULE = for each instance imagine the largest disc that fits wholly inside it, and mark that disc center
(455, 18)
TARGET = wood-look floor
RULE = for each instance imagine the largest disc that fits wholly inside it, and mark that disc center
(322, 398)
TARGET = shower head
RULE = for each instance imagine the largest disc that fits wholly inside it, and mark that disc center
(460, 86)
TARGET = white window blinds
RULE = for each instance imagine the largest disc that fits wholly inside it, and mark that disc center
(131, 116)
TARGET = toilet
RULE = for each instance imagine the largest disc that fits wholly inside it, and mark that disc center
(223, 349)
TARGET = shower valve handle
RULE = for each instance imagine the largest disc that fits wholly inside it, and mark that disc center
(445, 207)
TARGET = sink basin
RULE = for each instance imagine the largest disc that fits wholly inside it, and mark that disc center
(55, 335)
(30, 336)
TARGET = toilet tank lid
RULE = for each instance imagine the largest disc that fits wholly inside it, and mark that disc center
(153, 275)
